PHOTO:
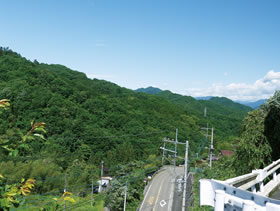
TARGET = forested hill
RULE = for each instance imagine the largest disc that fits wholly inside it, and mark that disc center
(222, 113)
(176, 98)
(149, 90)
(96, 119)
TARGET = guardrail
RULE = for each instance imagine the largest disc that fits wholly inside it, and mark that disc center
(255, 181)
(234, 193)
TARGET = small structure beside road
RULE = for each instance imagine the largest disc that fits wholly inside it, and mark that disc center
(103, 183)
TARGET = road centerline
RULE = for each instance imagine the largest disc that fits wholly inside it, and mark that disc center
(158, 196)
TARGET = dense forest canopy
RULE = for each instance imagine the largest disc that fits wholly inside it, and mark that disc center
(86, 117)
(80, 121)
(223, 114)
(260, 137)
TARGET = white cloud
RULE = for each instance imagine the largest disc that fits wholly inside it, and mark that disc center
(261, 89)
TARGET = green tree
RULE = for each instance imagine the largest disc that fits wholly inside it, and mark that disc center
(260, 137)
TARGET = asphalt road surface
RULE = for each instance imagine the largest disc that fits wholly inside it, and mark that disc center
(160, 193)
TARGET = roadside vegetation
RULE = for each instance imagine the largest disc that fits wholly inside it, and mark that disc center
(58, 125)
(257, 147)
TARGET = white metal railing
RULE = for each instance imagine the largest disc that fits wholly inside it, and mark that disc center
(257, 177)
(233, 194)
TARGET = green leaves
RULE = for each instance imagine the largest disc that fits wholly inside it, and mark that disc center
(4, 203)
(254, 150)
(274, 101)
(9, 193)
(22, 146)
(260, 137)
(4, 103)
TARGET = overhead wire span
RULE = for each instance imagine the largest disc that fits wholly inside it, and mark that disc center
(59, 191)
(48, 200)
(43, 180)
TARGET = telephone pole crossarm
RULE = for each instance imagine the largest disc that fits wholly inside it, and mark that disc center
(168, 150)
(173, 142)
(180, 157)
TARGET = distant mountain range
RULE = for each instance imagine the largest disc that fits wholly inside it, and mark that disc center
(254, 105)
(204, 98)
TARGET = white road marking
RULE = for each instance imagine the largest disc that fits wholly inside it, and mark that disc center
(145, 196)
(162, 203)
(171, 198)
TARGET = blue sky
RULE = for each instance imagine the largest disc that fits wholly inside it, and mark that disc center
(192, 47)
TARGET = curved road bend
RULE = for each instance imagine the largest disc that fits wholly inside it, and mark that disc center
(159, 196)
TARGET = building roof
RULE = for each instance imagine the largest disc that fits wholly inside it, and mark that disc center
(226, 153)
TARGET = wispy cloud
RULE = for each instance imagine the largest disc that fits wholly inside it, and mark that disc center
(100, 43)
(260, 89)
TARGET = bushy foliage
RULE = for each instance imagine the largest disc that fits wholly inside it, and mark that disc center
(130, 176)
(48, 179)
(260, 137)
(9, 193)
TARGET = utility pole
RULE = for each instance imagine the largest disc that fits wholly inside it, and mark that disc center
(163, 152)
(91, 198)
(102, 162)
(101, 175)
(185, 177)
(212, 135)
(176, 142)
(172, 151)
(211, 144)
(125, 192)
(211, 148)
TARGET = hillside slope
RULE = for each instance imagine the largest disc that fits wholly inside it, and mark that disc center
(222, 113)
(97, 120)
(149, 90)
(84, 115)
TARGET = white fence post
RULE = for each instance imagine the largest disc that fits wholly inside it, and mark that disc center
(253, 189)
(248, 205)
(220, 200)
(274, 176)
(261, 186)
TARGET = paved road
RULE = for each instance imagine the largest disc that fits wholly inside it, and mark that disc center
(275, 194)
(159, 196)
